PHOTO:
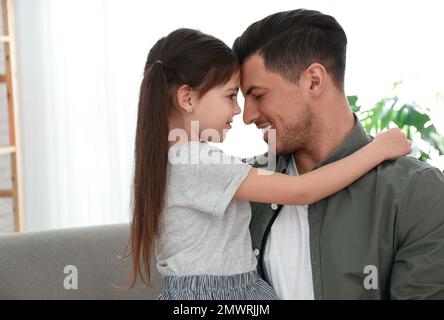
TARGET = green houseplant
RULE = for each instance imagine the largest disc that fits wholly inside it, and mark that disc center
(413, 119)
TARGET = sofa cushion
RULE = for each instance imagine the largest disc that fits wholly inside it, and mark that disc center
(43, 265)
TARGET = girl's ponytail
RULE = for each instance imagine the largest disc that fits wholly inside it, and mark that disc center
(150, 172)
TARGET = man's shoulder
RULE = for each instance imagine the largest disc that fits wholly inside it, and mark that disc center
(409, 175)
(422, 200)
(404, 168)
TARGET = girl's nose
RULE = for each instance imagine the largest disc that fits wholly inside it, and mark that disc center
(237, 109)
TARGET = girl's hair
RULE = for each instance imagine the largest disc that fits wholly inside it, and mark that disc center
(187, 57)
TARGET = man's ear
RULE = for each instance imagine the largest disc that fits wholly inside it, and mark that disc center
(184, 97)
(315, 79)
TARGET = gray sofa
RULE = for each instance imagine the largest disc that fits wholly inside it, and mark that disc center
(32, 265)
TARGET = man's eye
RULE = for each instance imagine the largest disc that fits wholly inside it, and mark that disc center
(258, 97)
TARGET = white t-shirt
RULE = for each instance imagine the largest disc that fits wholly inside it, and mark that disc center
(287, 252)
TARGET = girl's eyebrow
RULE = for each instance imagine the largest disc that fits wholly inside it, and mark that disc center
(233, 89)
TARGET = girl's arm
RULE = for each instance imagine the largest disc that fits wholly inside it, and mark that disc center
(323, 182)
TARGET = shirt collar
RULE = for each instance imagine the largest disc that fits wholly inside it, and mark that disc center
(357, 139)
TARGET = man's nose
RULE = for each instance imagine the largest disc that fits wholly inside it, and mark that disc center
(251, 113)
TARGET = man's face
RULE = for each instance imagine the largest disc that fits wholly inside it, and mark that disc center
(271, 100)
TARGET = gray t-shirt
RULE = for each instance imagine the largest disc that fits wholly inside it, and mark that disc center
(203, 229)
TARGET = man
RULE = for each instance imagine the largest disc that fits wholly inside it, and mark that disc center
(380, 238)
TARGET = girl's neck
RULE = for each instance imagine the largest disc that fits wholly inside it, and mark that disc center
(179, 133)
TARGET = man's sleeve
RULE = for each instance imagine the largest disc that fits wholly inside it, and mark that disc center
(418, 269)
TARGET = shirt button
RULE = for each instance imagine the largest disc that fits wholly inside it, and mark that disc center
(274, 206)
(256, 252)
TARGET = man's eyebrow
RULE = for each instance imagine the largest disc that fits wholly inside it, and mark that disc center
(253, 87)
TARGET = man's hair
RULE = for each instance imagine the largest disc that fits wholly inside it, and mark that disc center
(291, 41)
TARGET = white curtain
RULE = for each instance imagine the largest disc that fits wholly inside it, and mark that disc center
(78, 86)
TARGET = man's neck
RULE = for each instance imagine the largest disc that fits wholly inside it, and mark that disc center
(330, 130)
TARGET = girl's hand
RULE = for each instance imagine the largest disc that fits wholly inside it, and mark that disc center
(392, 144)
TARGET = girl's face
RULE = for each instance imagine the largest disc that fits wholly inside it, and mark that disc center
(215, 110)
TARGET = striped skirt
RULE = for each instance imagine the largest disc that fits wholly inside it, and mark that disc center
(244, 286)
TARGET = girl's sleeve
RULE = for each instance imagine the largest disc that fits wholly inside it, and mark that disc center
(206, 179)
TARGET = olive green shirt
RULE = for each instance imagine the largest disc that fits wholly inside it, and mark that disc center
(380, 238)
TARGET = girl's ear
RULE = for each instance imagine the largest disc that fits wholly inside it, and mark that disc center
(184, 98)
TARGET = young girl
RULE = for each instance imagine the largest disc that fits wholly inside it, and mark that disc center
(190, 200)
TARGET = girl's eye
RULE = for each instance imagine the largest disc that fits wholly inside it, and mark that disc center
(232, 97)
